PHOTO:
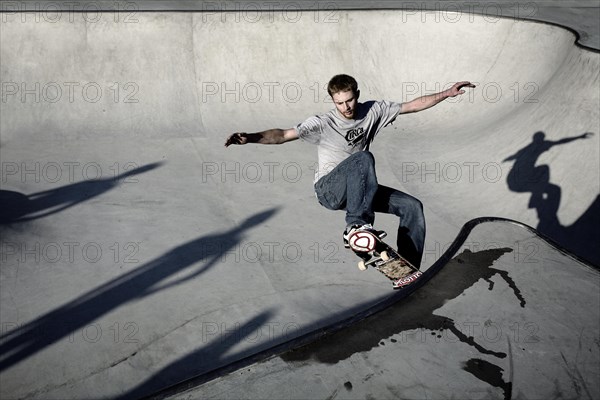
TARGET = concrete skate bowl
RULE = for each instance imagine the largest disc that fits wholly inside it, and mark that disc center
(536, 89)
(143, 105)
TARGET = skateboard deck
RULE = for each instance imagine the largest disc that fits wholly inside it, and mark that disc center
(373, 251)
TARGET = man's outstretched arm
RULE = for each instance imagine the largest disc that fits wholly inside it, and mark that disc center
(425, 102)
(570, 139)
(270, 136)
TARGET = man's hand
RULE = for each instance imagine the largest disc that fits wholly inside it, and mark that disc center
(456, 89)
(237, 138)
(270, 136)
(425, 102)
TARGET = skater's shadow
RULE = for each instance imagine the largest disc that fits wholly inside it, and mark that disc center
(527, 177)
(415, 313)
(16, 207)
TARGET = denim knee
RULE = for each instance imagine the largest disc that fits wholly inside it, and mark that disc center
(406, 207)
(416, 209)
(365, 156)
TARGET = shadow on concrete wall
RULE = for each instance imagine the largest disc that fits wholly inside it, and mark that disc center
(454, 278)
(583, 236)
(46, 330)
(17, 207)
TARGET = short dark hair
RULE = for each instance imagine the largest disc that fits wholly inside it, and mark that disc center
(342, 83)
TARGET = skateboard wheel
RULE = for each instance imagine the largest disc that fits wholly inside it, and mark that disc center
(385, 256)
(362, 266)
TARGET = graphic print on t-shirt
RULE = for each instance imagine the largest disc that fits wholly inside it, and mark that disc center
(354, 135)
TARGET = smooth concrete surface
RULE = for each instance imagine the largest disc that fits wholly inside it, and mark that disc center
(496, 322)
(137, 251)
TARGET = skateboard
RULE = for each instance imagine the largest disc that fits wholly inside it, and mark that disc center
(373, 251)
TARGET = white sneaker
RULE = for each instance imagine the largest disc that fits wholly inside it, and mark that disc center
(353, 228)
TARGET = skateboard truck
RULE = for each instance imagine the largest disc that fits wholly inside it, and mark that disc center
(365, 244)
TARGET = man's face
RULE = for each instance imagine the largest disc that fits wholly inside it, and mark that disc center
(346, 102)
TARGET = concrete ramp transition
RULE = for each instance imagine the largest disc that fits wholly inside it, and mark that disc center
(137, 252)
(512, 320)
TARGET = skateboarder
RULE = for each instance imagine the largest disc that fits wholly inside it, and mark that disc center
(345, 178)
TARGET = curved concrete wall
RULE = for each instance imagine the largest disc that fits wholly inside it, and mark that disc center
(195, 75)
(168, 87)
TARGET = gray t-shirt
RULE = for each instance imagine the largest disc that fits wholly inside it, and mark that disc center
(338, 137)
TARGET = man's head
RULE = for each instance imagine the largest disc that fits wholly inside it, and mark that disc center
(539, 136)
(344, 92)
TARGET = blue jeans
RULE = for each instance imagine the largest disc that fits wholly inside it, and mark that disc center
(352, 186)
